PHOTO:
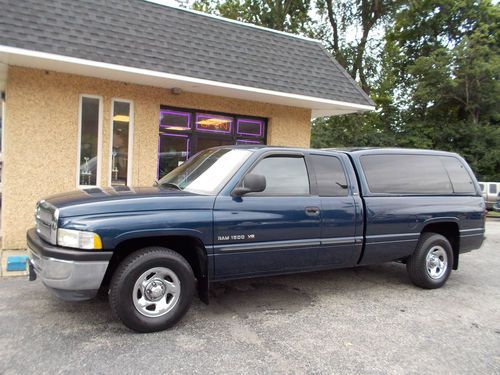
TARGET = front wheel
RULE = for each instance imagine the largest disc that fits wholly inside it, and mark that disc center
(152, 289)
(430, 265)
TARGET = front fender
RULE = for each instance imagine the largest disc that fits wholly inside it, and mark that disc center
(118, 227)
(133, 234)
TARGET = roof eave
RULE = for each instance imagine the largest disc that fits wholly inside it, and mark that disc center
(40, 60)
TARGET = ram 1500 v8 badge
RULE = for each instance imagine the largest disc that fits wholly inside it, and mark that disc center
(237, 212)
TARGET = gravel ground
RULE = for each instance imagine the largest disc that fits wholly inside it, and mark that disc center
(363, 320)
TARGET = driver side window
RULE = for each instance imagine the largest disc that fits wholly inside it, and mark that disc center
(285, 176)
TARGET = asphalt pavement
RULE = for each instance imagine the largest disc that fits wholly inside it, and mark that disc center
(363, 320)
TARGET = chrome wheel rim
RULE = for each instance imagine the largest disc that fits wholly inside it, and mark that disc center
(436, 262)
(156, 292)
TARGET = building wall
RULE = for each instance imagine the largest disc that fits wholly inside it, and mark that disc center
(41, 135)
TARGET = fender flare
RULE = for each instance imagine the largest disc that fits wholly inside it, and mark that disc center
(156, 233)
(202, 256)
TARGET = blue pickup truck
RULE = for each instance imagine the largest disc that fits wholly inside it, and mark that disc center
(236, 212)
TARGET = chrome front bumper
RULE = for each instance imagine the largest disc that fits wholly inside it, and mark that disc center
(69, 279)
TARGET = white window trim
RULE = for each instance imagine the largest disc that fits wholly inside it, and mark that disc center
(99, 142)
(2, 108)
(130, 140)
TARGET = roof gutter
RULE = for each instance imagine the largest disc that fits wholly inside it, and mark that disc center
(49, 61)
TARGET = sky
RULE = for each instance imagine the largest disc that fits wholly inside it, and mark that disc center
(170, 2)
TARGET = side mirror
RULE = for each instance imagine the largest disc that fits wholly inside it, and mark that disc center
(252, 183)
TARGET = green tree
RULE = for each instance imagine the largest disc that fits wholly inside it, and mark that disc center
(436, 87)
(448, 68)
(354, 33)
(283, 15)
(347, 27)
(431, 66)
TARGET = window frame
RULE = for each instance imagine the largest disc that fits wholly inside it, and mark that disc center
(366, 188)
(309, 171)
(2, 124)
(454, 183)
(348, 190)
(179, 112)
(99, 141)
(207, 114)
(3, 110)
(260, 122)
(130, 140)
(174, 135)
(195, 135)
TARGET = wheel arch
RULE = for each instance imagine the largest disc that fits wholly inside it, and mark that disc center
(190, 247)
(448, 228)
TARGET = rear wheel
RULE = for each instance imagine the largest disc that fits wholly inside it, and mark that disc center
(152, 289)
(430, 265)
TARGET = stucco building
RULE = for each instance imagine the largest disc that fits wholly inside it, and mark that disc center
(100, 93)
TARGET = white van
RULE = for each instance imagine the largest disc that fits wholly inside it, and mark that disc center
(490, 192)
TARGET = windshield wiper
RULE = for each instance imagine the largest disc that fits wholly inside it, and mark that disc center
(171, 185)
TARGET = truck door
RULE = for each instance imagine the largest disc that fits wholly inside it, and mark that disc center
(341, 211)
(277, 230)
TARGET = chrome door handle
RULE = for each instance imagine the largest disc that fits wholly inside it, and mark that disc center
(312, 211)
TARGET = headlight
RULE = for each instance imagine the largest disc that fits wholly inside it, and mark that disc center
(78, 239)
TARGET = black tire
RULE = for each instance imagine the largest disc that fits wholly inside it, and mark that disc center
(417, 263)
(128, 273)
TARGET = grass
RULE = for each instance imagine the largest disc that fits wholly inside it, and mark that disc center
(493, 214)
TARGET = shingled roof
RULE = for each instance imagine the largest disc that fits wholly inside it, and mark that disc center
(146, 35)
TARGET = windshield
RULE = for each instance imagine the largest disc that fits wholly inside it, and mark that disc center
(207, 171)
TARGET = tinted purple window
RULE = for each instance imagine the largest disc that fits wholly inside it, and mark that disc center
(184, 132)
(213, 123)
(175, 120)
(254, 128)
(173, 150)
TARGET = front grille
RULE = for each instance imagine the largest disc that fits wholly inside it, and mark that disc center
(46, 221)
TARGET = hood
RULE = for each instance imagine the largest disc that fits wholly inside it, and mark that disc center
(126, 199)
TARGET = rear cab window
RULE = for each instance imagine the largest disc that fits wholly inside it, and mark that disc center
(460, 178)
(415, 174)
(330, 176)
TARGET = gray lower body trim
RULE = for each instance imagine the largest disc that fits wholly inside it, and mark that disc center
(471, 232)
(249, 246)
(386, 238)
(471, 235)
(382, 242)
(290, 244)
(341, 240)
